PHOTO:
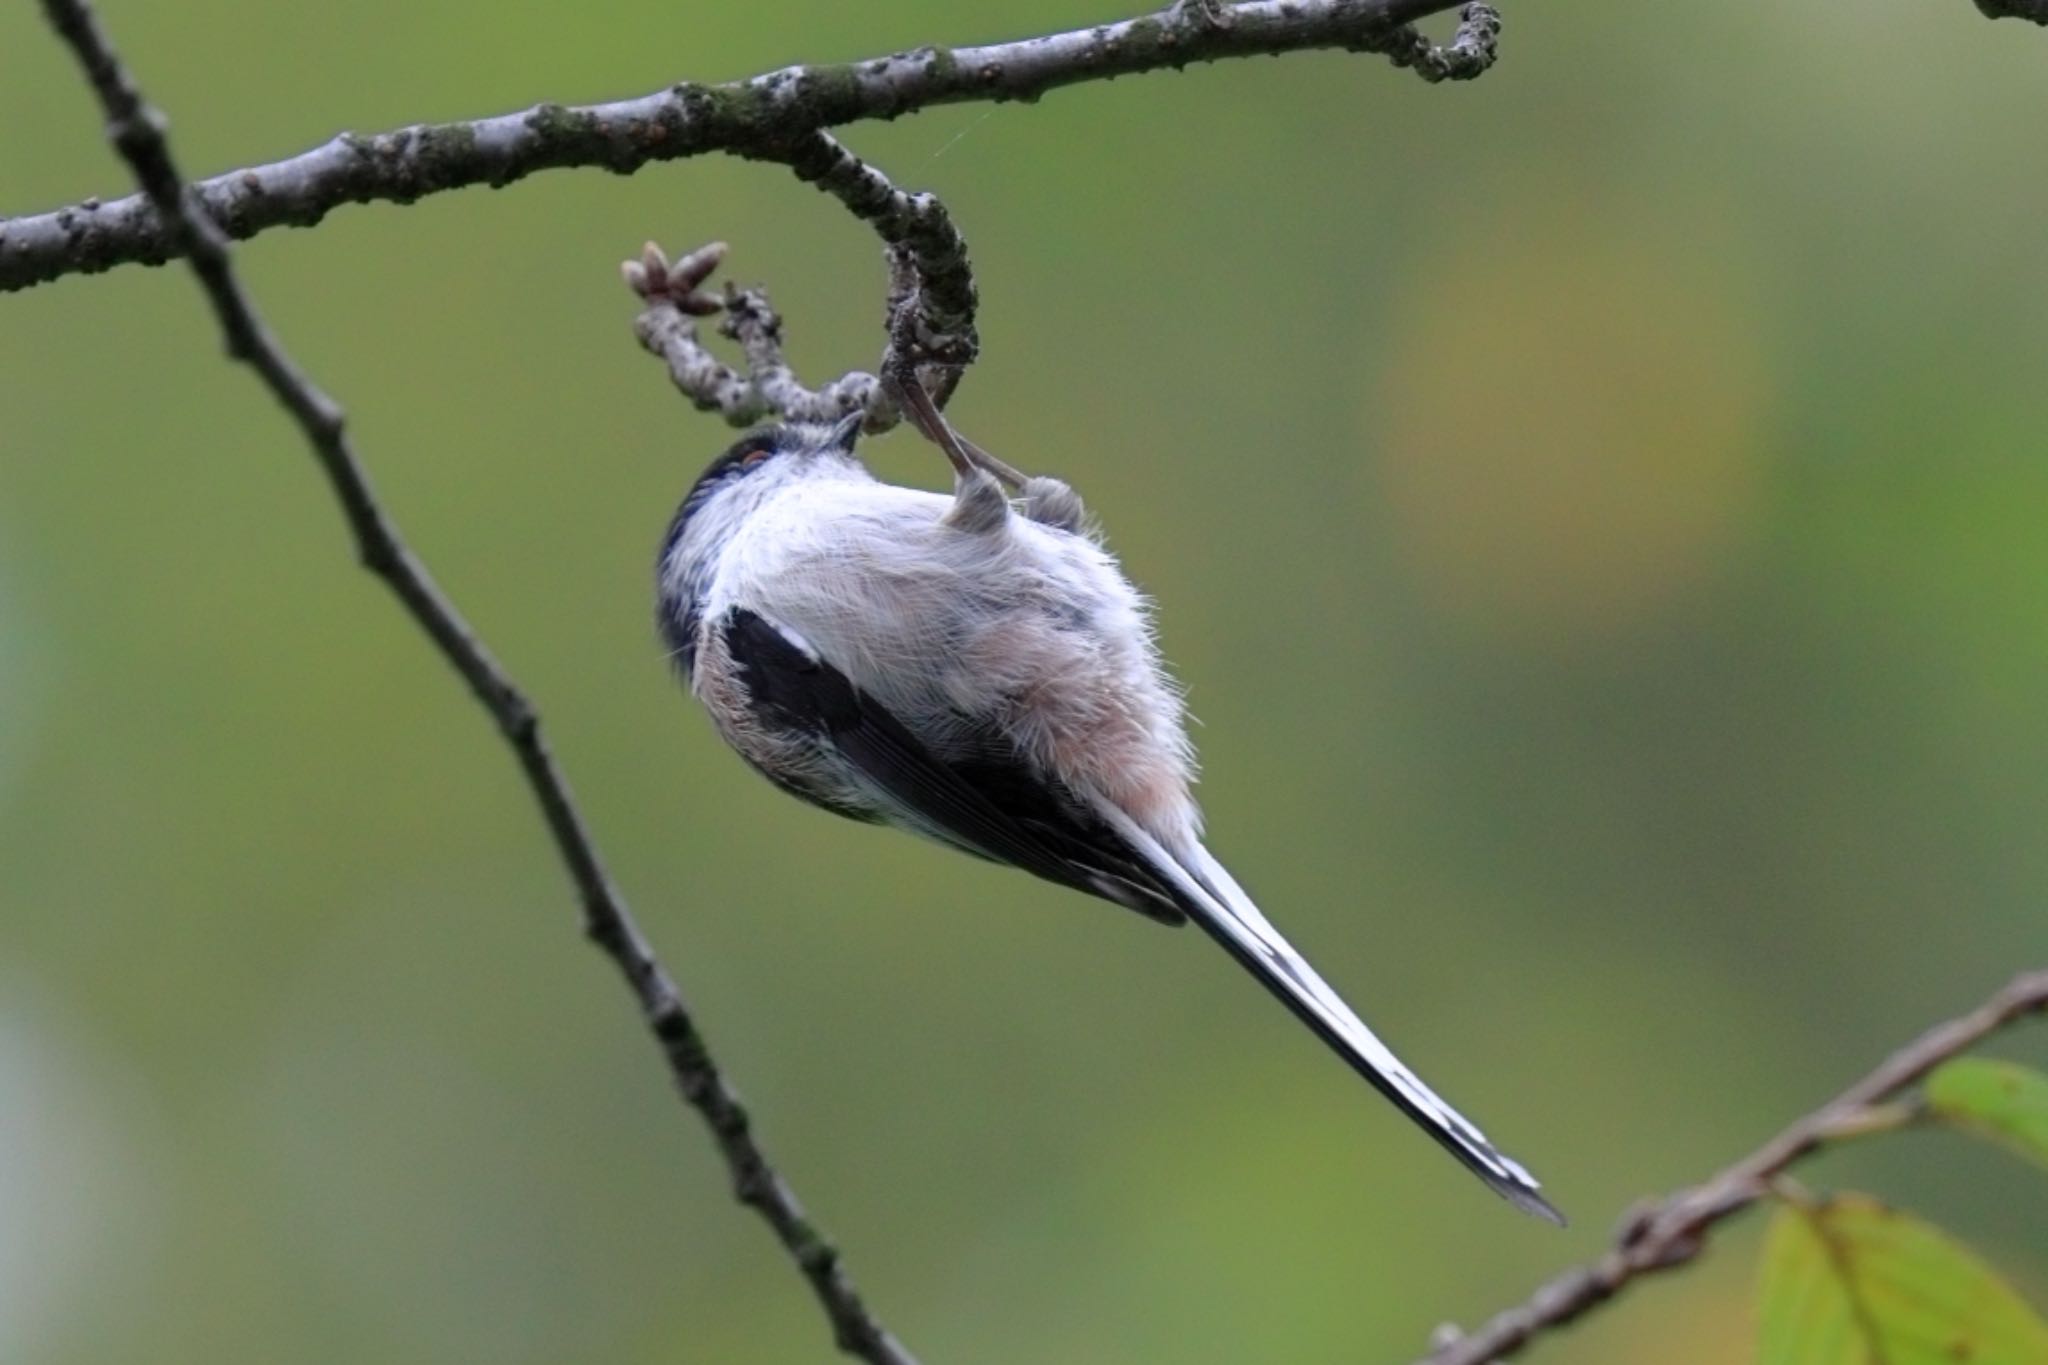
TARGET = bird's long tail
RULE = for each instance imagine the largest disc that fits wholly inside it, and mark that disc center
(1214, 900)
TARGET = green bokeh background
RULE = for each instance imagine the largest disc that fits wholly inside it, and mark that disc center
(1598, 513)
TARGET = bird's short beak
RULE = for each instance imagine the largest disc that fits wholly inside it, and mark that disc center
(847, 432)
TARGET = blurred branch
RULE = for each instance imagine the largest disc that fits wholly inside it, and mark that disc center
(1672, 1232)
(2034, 11)
(181, 215)
(770, 115)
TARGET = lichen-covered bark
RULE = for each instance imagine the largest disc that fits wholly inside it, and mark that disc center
(763, 115)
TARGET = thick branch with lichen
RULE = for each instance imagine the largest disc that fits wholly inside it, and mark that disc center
(764, 115)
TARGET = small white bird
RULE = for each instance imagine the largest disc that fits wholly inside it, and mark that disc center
(980, 673)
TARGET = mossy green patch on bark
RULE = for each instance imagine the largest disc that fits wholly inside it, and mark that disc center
(445, 153)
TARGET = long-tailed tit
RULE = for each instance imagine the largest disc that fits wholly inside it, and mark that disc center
(981, 673)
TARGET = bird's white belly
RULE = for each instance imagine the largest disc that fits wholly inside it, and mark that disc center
(1029, 628)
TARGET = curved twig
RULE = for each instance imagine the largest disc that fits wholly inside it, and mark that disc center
(932, 284)
(1467, 57)
(1672, 1232)
(674, 299)
(137, 131)
(929, 320)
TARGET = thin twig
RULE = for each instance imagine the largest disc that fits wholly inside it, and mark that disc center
(673, 299)
(919, 235)
(745, 117)
(137, 132)
(1467, 57)
(1672, 1232)
(929, 322)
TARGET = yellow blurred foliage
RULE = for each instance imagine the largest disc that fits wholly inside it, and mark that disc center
(1571, 426)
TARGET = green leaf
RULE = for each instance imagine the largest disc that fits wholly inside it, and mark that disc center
(2001, 1100)
(1852, 1282)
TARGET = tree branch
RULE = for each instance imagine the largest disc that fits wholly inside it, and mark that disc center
(179, 218)
(1672, 1232)
(930, 318)
(764, 115)
(667, 326)
(781, 116)
(2033, 11)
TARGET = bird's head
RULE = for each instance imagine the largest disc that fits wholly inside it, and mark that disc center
(731, 488)
(772, 455)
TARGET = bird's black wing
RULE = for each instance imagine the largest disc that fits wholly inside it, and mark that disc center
(993, 803)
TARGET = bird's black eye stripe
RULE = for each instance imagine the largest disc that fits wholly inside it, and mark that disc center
(742, 458)
(745, 454)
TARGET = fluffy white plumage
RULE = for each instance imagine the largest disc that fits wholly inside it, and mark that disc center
(979, 627)
(936, 624)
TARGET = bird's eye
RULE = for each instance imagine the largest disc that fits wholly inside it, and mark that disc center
(754, 457)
